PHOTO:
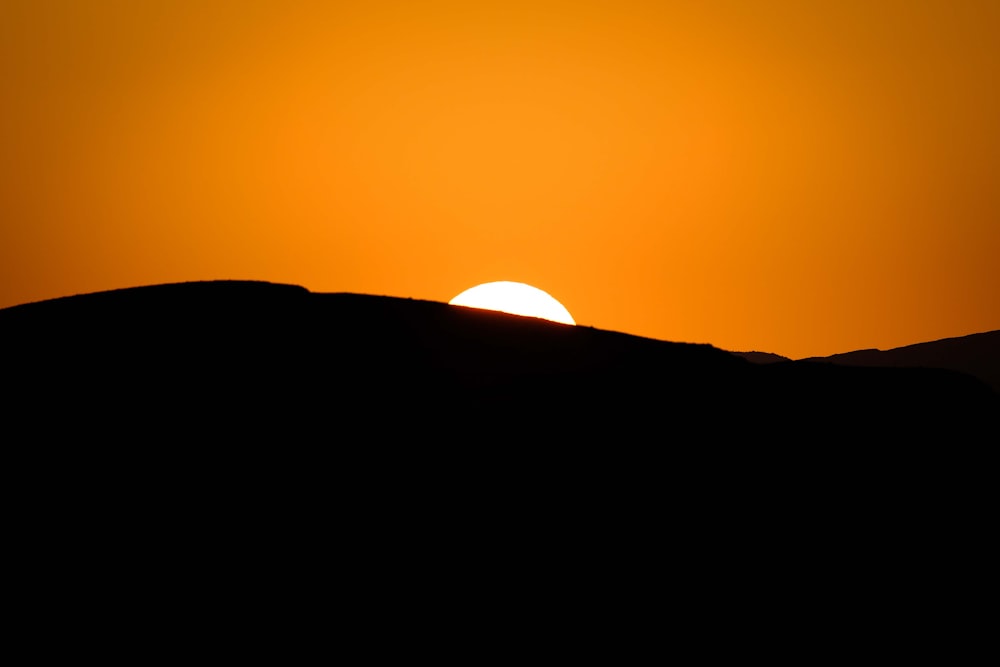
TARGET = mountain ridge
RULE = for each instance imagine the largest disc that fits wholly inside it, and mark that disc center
(977, 354)
(261, 344)
(259, 286)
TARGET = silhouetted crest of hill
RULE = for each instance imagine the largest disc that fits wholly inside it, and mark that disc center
(253, 356)
(762, 357)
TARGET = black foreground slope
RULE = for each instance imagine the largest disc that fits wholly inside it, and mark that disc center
(217, 451)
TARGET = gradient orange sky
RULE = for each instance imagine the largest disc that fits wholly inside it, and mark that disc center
(803, 178)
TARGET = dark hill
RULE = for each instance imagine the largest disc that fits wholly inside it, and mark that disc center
(228, 358)
(215, 451)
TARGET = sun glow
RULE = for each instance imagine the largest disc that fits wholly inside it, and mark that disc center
(515, 298)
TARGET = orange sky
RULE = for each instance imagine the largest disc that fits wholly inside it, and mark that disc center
(802, 178)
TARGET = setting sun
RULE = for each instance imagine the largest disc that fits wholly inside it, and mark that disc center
(514, 298)
(722, 172)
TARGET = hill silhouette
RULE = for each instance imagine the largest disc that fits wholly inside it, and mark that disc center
(236, 356)
(260, 445)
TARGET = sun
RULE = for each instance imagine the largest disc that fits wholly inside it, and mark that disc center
(514, 298)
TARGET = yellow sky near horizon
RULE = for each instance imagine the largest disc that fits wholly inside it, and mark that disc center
(797, 178)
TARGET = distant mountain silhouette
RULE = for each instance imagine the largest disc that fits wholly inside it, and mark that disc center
(976, 354)
(265, 445)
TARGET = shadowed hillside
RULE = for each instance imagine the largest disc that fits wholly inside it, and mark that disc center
(221, 434)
